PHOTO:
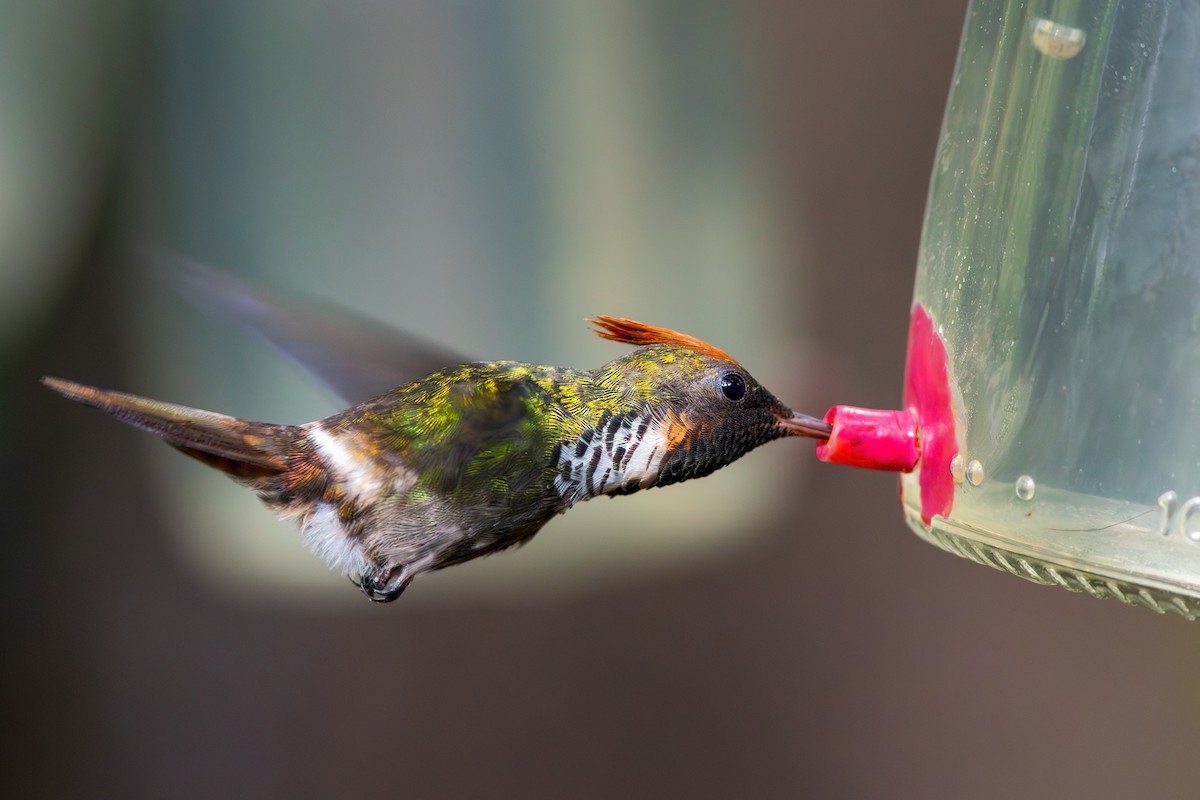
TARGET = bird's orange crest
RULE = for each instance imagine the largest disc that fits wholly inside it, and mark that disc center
(619, 329)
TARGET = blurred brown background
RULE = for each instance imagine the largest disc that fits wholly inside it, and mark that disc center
(833, 655)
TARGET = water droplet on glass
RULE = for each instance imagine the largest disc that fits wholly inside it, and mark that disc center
(958, 469)
(1025, 488)
(1057, 41)
(974, 472)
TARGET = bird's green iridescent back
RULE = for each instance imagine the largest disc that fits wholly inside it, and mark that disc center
(472, 435)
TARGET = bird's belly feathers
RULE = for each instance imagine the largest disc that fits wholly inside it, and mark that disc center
(375, 513)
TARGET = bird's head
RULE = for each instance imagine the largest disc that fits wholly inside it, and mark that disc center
(709, 409)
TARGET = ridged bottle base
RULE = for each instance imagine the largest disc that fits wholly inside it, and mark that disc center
(1045, 572)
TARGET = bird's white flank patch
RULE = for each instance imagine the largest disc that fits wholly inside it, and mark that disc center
(355, 471)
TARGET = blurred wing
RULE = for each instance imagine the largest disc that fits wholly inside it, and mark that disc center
(357, 357)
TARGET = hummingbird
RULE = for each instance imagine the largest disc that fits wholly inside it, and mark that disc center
(477, 457)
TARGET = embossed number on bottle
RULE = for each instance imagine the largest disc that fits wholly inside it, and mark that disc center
(1179, 519)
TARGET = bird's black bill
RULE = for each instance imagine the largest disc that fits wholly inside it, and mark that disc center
(803, 425)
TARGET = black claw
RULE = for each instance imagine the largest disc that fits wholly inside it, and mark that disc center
(375, 588)
(389, 596)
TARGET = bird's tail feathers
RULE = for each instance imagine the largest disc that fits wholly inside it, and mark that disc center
(255, 453)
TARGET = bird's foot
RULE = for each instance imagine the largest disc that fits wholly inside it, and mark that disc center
(380, 588)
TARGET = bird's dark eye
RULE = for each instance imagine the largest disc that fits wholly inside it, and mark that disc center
(733, 386)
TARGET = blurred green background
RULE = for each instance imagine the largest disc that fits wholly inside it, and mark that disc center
(488, 173)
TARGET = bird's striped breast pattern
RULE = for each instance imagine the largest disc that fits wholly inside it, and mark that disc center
(622, 453)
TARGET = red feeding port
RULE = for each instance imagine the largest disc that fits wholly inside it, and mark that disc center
(923, 432)
(871, 438)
